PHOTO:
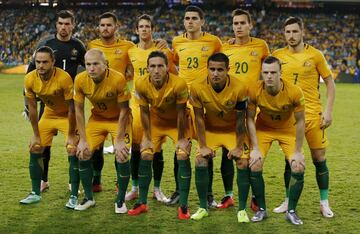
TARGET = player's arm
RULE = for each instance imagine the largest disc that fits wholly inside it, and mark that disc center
(255, 154)
(161, 44)
(240, 130)
(297, 159)
(121, 149)
(33, 116)
(200, 128)
(330, 98)
(129, 72)
(72, 141)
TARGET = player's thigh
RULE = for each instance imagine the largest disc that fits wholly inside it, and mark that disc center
(265, 139)
(47, 130)
(137, 129)
(113, 126)
(159, 134)
(62, 126)
(96, 132)
(287, 141)
(315, 136)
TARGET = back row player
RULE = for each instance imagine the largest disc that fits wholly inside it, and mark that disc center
(69, 54)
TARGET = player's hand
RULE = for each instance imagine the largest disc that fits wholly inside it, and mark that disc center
(231, 41)
(121, 151)
(184, 145)
(206, 152)
(35, 145)
(161, 44)
(326, 120)
(297, 161)
(255, 156)
(71, 144)
(235, 153)
(83, 150)
(146, 144)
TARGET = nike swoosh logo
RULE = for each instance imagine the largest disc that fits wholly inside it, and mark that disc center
(142, 175)
(230, 55)
(133, 60)
(83, 169)
(205, 102)
(122, 176)
(185, 177)
(181, 49)
(323, 173)
(283, 63)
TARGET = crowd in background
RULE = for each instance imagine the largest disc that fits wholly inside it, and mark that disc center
(336, 35)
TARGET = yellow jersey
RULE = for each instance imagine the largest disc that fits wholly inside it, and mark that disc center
(162, 102)
(116, 54)
(246, 59)
(138, 58)
(192, 55)
(304, 69)
(53, 92)
(276, 111)
(220, 108)
(104, 96)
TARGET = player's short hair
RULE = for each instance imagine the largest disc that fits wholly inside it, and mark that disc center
(157, 53)
(271, 60)
(294, 20)
(238, 11)
(46, 49)
(64, 14)
(144, 17)
(108, 15)
(195, 9)
(219, 57)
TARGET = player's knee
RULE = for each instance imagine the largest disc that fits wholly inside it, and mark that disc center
(257, 166)
(201, 162)
(71, 149)
(318, 155)
(147, 155)
(36, 149)
(298, 166)
(242, 163)
(181, 154)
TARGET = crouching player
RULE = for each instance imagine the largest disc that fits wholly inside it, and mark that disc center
(107, 91)
(281, 119)
(223, 98)
(162, 97)
(55, 88)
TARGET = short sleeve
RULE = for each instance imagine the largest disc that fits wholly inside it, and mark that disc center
(28, 89)
(298, 99)
(78, 91)
(181, 91)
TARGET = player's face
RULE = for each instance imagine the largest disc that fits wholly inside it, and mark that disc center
(241, 26)
(44, 64)
(144, 30)
(271, 75)
(64, 27)
(107, 28)
(95, 66)
(293, 34)
(157, 71)
(218, 73)
(192, 22)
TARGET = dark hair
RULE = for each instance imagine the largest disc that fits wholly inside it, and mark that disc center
(219, 57)
(294, 20)
(195, 9)
(108, 15)
(271, 60)
(46, 49)
(157, 53)
(65, 14)
(242, 12)
(144, 17)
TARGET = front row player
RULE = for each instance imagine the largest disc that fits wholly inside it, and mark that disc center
(55, 88)
(162, 97)
(107, 91)
(281, 118)
(223, 98)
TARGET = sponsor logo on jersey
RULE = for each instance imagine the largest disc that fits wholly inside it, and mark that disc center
(205, 48)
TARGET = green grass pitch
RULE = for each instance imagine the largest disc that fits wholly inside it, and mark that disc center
(51, 216)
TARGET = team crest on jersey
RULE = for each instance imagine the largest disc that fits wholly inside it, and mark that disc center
(118, 51)
(307, 64)
(254, 53)
(205, 48)
(74, 52)
(110, 94)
